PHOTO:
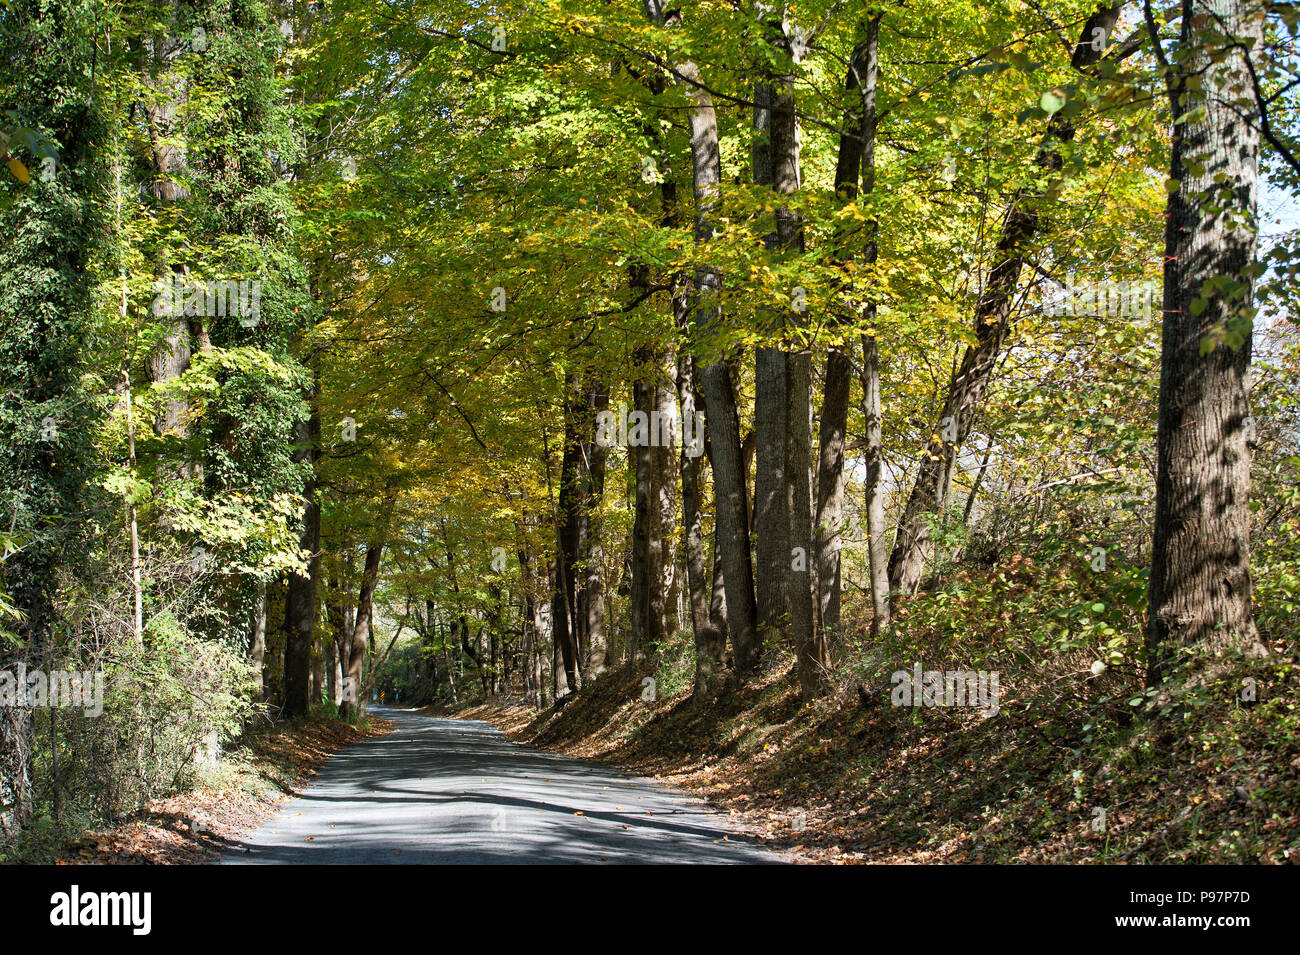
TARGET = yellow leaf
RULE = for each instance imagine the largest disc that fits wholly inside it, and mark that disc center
(19, 170)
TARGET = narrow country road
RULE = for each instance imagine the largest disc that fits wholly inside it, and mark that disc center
(446, 791)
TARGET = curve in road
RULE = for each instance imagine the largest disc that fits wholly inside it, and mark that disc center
(440, 791)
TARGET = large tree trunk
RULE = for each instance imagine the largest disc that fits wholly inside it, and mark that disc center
(361, 631)
(771, 523)
(590, 542)
(732, 517)
(335, 671)
(731, 524)
(877, 533)
(710, 640)
(1200, 593)
(830, 489)
(799, 559)
(300, 598)
(652, 561)
(566, 527)
(771, 485)
(532, 624)
(257, 640)
(732, 514)
(966, 391)
(343, 618)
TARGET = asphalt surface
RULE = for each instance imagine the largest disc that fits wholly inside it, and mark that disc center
(444, 791)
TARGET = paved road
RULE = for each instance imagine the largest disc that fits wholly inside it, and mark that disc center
(457, 791)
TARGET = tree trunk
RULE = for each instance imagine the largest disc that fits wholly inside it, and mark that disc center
(590, 542)
(649, 433)
(799, 559)
(257, 641)
(361, 631)
(566, 529)
(771, 486)
(335, 672)
(710, 640)
(346, 619)
(1200, 593)
(877, 542)
(856, 158)
(300, 598)
(723, 424)
(770, 519)
(732, 517)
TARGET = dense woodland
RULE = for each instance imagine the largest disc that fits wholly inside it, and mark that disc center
(460, 350)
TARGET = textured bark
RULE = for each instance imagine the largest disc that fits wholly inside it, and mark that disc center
(257, 640)
(532, 628)
(590, 541)
(877, 541)
(718, 601)
(343, 618)
(800, 559)
(360, 630)
(718, 597)
(710, 639)
(810, 642)
(335, 665)
(566, 527)
(1200, 593)
(732, 518)
(830, 489)
(300, 597)
(652, 562)
(747, 451)
(492, 625)
(771, 521)
(731, 524)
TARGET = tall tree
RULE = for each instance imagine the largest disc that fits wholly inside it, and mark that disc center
(771, 519)
(1200, 591)
(300, 596)
(354, 703)
(716, 380)
(855, 159)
